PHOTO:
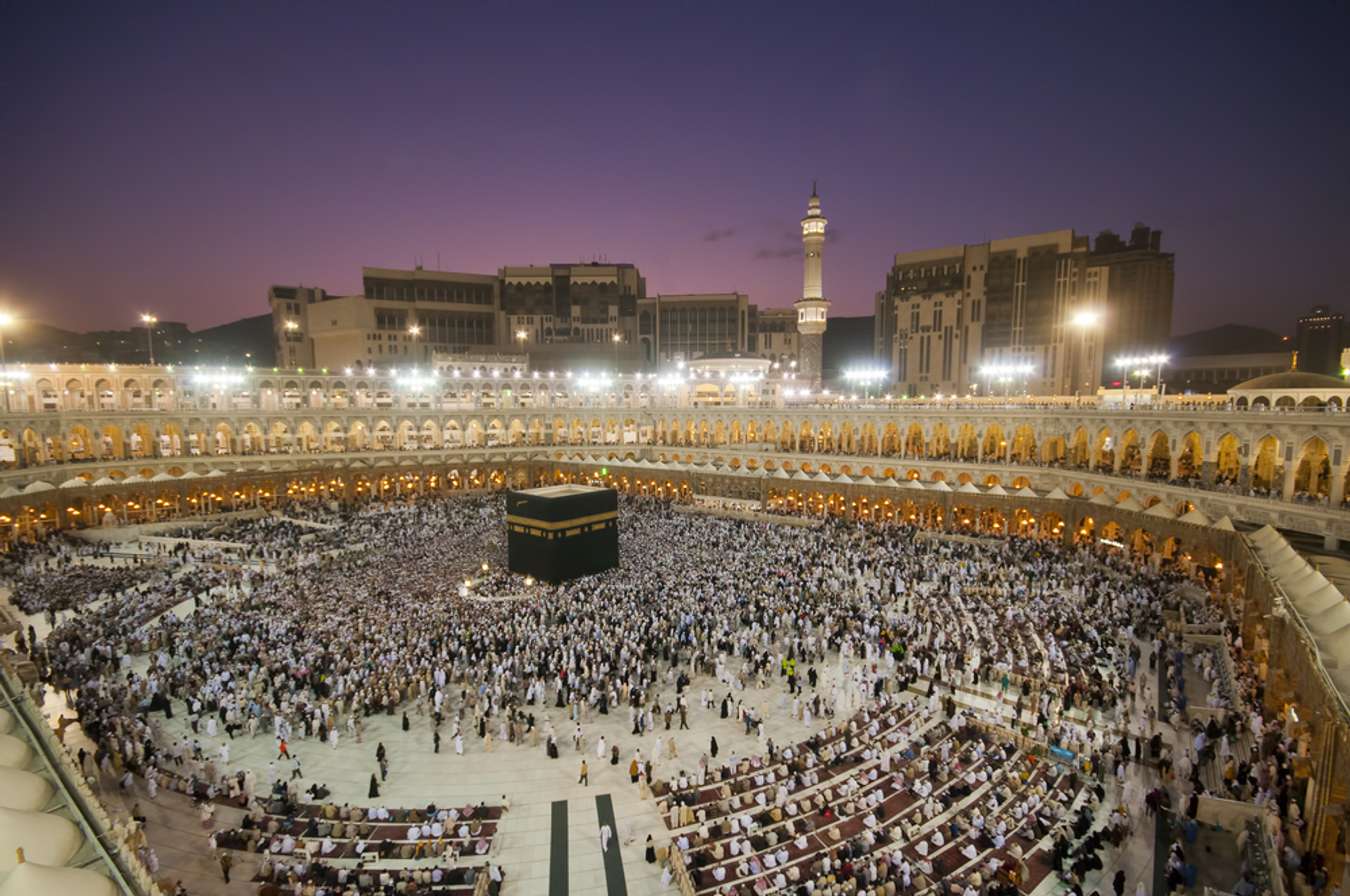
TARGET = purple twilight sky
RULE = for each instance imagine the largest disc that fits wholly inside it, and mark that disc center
(182, 160)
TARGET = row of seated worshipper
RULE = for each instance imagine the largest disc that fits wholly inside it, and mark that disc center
(1020, 853)
(993, 859)
(757, 780)
(862, 800)
(735, 772)
(466, 839)
(797, 770)
(982, 835)
(794, 813)
(375, 823)
(309, 876)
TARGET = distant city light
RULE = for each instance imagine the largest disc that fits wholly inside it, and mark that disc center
(866, 374)
(1154, 360)
(218, 379)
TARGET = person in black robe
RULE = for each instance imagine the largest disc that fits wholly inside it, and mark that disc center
(712, 747)
(726, 705)
(406, 725)
(650, 853)
(374, 790)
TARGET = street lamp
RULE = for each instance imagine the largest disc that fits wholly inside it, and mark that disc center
(150, 320)
(6, 321)
(1142, 365)
(521, 335)
(1006, 373)
(866, 376)
(616, 338)
(1083, 320)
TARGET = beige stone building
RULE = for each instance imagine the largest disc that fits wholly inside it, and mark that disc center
(1042, 313)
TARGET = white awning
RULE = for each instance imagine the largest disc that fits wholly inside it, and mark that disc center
(45, 839)
(32, 879)
(14, 753)
(24, 790)
(1160, 510)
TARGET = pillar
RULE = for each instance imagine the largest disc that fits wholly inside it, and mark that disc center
(1336, 492)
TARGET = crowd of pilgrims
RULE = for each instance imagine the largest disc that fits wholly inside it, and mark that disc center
(61, 573)
(308, 643)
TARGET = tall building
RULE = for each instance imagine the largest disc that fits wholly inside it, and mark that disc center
(572, 303)
(774, 334)
(812, 308)
(950, 316)
(1319, 341)
(685, 327)
(402, 317)
(584, 313)
(1132, 283)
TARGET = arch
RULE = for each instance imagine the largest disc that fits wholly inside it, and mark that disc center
(1266, 466)
(1131, 458)
(1158, 463)
(1312, 471)
(1227, 460)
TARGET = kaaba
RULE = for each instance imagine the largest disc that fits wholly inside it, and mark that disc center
(560, 532)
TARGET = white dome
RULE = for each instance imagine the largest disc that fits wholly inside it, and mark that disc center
(45, 839)
(24, 790)
(14, 753)
(32, 879)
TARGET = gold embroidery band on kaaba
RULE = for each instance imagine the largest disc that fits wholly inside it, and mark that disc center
(562, 524)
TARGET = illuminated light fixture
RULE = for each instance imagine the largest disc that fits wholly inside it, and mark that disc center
(218, 379)
(866, 374)
(1000, 371)
(1086, 317)
(1155, 360)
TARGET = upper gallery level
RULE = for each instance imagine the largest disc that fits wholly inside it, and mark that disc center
(490, 382)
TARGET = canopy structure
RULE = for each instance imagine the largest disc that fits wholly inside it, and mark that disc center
(1195, 517)
(1130, 504)
(968, 488)
(46, 839)
(1318, 603)
(14, 753)
(32, 879)
(23, 790)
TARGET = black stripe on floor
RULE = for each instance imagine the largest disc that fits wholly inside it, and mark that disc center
(557, 856)
(1162, 844)
(614, 882)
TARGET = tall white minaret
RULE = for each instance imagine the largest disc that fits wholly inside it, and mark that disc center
(812, 307)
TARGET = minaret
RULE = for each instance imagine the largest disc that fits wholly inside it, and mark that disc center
(812, 307)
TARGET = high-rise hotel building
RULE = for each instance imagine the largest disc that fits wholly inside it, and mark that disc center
(948, 314)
